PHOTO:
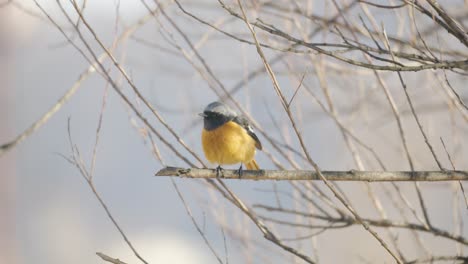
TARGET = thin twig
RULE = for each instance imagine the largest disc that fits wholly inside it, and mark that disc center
(77, 161)
(297, 89)
(350, 221)
(109, 259)
(453, 167)
(410, 102)
(200, 231)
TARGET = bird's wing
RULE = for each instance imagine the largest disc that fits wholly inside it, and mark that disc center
(242, 121)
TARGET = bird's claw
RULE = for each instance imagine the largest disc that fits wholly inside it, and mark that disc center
(219, 172)
(240, 171)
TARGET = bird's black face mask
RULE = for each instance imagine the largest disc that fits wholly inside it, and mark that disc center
(213, 120)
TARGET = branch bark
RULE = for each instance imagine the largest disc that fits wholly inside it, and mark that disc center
(352, 175)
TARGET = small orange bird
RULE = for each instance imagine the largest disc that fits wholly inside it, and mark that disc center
(227, 138)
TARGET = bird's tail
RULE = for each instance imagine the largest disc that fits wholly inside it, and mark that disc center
(252, 165)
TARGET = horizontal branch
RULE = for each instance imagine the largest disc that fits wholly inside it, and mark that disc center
(352, 175)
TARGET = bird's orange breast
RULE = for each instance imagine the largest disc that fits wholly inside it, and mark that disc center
(228, 144)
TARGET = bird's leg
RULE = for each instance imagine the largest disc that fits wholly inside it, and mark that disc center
(219, 172)
(239, 171)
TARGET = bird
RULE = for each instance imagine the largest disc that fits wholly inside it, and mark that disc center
(228, 138)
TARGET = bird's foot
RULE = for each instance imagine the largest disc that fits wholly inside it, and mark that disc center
(219, 172)
(240, 171)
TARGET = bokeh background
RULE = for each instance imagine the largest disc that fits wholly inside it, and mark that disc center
(48, 212)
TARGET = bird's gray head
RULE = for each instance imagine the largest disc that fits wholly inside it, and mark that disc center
(216, 114)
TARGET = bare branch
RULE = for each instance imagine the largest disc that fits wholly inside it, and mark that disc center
(109, 259)
(200, 231)
(345, 220)
(300, 175)
(93, 67)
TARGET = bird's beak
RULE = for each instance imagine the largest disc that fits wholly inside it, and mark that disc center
(202, 114)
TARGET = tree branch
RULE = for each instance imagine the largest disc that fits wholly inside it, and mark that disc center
(352, 175)
(109, 259)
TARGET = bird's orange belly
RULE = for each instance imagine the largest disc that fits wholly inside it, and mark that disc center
(228, 144)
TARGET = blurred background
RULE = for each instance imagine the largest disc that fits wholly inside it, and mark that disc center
(50, 215)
